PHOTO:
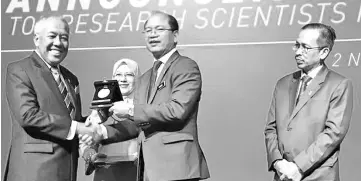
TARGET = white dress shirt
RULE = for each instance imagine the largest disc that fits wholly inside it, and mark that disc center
(164, 60)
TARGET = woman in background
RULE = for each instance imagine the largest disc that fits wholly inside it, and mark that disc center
(126, 72)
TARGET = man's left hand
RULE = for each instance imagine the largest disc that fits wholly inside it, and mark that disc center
(121, 109)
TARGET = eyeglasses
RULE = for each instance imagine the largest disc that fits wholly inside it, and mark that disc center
(126, 75)
(158, 30)
(305, 49)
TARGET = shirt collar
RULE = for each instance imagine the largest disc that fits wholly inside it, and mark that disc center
(312, 73)
(165, 58)
(47, 64)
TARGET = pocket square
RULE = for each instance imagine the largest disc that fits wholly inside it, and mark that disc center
(161, 85)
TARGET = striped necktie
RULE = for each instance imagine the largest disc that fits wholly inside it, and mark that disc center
(63, 90)
(304, 81)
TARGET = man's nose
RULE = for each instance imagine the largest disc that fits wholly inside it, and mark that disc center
(299, 51)
(57, 40)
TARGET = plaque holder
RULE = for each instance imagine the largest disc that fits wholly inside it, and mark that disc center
(106, 93)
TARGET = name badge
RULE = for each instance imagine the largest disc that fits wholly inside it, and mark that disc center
(161, 85)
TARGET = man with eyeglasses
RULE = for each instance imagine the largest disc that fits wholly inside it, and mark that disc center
(165, 108)
(310, 112)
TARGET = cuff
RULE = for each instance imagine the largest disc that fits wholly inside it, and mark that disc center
(72, 130)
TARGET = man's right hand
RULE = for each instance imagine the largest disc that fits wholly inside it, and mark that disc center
(89, 133)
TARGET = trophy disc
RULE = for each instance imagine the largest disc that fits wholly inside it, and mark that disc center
(103, 93)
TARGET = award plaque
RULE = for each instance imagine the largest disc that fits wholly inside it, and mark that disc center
(106, 92)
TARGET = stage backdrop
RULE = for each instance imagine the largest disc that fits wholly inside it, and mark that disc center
(242, 47)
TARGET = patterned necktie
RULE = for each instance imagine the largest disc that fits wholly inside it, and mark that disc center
(305, 79)
(63, 90)
(153, 76)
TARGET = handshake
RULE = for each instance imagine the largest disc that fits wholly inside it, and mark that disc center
(287, 170)
(90, 132)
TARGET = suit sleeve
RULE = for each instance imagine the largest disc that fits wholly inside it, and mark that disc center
(271, 137)
(336, 126)
(184, 98)
(24, 106)
(79, 116)
(121, 131)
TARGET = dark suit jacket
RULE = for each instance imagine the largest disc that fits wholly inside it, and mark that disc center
(310, 133)
(40, 123)
(168, 120)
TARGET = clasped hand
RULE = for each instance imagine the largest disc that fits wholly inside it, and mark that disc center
(90, 132)
(288, 170)
(121, 109)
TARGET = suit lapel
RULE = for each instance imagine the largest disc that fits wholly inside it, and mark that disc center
(314, 86)
(145, 82)
(167, 65)
(174, 56)
(293, 90)
(44, 72)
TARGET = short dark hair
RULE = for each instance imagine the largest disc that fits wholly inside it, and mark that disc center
(173, 23)
(327, 34)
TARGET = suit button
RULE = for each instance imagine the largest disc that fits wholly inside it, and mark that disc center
(289, 129)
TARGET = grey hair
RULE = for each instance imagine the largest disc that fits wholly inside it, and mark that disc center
(41, 23)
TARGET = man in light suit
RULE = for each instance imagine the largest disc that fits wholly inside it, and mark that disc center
(310, 112)
(166, 112)
(45, 109)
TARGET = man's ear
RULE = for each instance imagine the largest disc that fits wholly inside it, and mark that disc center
(36, 40)
(324, 53)
(175, 34)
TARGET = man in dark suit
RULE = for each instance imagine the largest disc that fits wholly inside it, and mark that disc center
(45, 109)
(165, 108)
(310, 112)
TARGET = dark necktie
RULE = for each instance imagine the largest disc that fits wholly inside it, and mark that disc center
(304, 81)
(153, 76)
(64, 92)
